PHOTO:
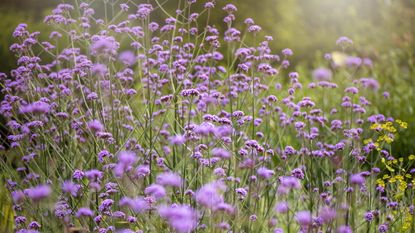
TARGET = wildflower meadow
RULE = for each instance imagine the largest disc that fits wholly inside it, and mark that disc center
(120, 122)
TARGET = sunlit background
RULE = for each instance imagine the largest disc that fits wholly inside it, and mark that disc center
(381, 29)
(306, 26)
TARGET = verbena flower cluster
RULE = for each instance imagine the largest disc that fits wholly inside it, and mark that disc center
(129, 124)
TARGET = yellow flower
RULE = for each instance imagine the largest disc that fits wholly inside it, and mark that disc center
(380, 182)
(375, 126)
(388, 126)
(407, 222)
(377, 146)
(385, 138)
(399, 177)
(402, 124)
(367, 141)
(402, 186)
(411, 157)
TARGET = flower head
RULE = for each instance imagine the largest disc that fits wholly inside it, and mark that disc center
(169, 179)
(38, 193)
(182, 218)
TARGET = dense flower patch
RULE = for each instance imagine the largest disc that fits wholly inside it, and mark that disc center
(125, 124)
